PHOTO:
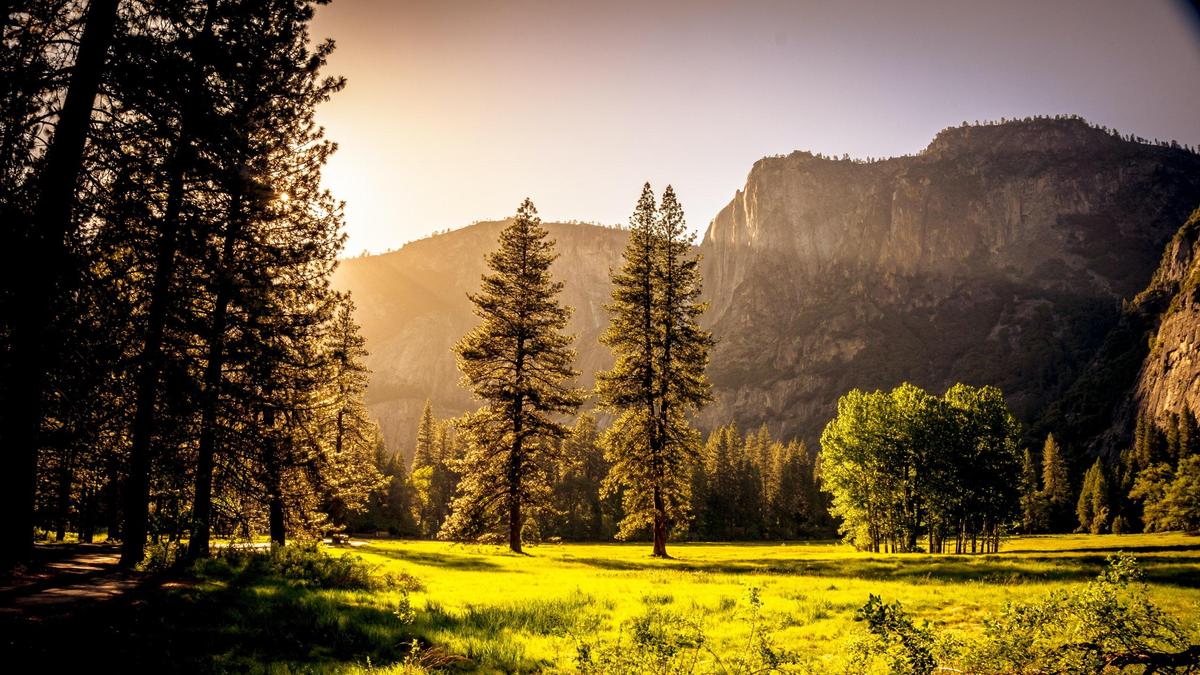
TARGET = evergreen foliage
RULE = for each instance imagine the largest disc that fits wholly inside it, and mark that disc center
(518, 362)
(659, 378)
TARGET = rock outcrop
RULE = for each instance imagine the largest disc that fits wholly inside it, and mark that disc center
(1169, 380)
(999, 255)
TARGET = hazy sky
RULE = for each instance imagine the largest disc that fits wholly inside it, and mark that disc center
(457, 109)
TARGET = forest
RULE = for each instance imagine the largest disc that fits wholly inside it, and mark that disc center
(179, 367)
(184, 388)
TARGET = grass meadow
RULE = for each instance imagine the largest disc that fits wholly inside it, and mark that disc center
(505, 612)
(483, 609)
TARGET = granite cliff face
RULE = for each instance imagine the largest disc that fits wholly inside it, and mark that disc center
(999, 255)
(413, 307)
(1169, 380)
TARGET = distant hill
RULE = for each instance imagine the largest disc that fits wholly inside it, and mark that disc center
(999, 255)
(412, 305)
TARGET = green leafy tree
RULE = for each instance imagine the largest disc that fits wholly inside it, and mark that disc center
(659, 378)
(904, 463)
(519, 362)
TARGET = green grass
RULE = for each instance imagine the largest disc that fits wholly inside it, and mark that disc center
(507, 612)
(481, 608)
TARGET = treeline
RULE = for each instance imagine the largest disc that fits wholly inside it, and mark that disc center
(743, 487)
(1152, 486)
(175, 364)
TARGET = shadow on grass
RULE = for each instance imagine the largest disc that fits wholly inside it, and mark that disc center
(453, 561)
(1171, 548)
(918, 569)
(206, 625)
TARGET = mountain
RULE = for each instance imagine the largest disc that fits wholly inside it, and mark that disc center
(1001, 254)
(413, 306)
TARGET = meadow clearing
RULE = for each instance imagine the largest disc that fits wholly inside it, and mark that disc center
(507, 612)
(471, 608)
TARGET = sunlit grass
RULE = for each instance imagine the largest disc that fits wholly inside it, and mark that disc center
(510, 612)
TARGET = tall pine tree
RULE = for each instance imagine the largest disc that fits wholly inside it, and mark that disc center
(1056, 486)
(659, 378)
(518, 362)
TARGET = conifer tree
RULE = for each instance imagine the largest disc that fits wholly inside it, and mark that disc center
(788, 489)
(44, 256)
(423, 454)
(518, 362)
(1056, 485)
(581, 468)
(658, 380)
(1189, 434)
(427, 467)
(1094, 507)
(1032, 500)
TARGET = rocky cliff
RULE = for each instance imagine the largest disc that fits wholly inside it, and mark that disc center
(999, 255)
(1169, 380)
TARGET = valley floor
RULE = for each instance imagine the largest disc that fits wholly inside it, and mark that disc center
(480, 608)
(524, 612)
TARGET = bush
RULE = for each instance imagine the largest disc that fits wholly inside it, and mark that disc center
(1120, 525)
(162, 556)
(903, 646)
(305, 565)
(1109, 626)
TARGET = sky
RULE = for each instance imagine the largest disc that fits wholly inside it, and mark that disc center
(456, 110)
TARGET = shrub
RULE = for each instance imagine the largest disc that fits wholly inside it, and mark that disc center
(1109, 625)
(905, 647)
(305, 565)
(162, 556)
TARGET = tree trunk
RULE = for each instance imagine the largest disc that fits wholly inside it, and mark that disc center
(660, 525)
(514, 523)
(278, 527)
(64, 497)
(137, 487)
(149, 376)
(33, 347)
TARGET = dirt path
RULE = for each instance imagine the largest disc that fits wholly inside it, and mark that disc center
(63, 577)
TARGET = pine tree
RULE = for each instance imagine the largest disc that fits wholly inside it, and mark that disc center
(519, 362)
(581, 469)
(788, 489)
(1056, 486)
(1189, 434)
(427, 461)
(1032, 500)
(423, 454)
(658, 379)
(274, 238)
(45, 259)
(1094, 507)
(722, 451)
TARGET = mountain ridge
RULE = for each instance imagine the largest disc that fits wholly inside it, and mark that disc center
(1000, 254)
